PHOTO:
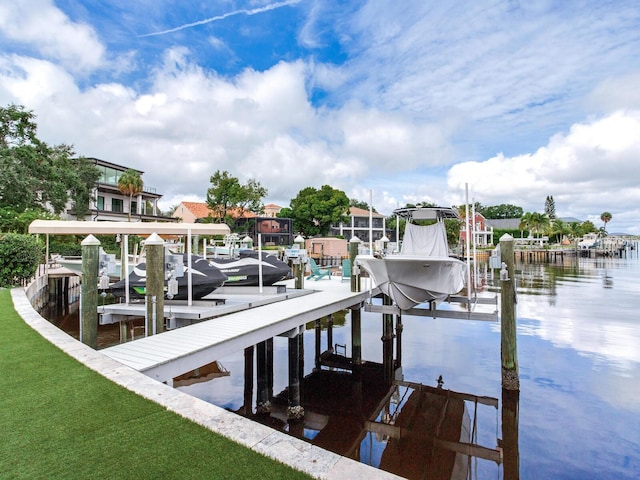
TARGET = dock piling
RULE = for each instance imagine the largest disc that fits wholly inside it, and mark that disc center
(89, 296)
(508, 340)
(155, 284)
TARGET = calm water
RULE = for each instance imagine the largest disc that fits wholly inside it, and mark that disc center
(579, 359)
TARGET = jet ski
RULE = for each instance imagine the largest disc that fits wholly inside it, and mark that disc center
(243, 268)
(205, 278)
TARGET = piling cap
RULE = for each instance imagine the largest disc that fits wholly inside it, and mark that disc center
(89, 241)
(354, 239)
(506, 238)
(154, 239)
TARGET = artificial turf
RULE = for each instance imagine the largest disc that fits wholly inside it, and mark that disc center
(59, 419)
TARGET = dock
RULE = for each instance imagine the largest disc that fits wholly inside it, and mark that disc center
(175, 352)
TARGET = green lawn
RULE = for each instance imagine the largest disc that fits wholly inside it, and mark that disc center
(62, 420)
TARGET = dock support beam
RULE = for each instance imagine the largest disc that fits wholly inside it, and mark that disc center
(356, 338)
(89, 298)
(387, 342)
(155, 284)
(295, 410)
(248, 381)
(318, 332)
(508, 343)
(262, 399)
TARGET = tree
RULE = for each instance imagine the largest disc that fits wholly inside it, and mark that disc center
(550, 207)
(130, 183)
(314, 211)
(502, 211)
(19, 257)
(34, 175)
(534, 222)
(227, 193)
(606, 218)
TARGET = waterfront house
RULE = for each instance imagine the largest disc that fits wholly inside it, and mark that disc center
(109, 204)
(358, 225)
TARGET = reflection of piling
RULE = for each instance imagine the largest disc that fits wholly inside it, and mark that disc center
(154, 288)
(509, 351)
(510, 415)
(89, 300)
(248, 380)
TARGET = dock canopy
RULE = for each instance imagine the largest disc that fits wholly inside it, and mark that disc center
(76, 227)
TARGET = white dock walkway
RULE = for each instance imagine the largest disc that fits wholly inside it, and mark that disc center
(169, 354)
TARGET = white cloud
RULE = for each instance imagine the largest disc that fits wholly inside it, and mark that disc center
(39, 24)
(588, 170)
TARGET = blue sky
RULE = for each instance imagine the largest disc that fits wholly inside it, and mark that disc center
(411, 100)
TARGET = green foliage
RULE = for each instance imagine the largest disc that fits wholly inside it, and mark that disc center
(501, 211)
(534, 222)
(18, 222)
(65, 245)
(130, 183)
(314, 211)
(34, 175)
(606, 218)
(227, 194)
(19, 258)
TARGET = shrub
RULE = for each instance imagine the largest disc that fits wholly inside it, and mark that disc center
(19, 257)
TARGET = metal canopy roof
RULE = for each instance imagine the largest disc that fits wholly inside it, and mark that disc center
(75, 227)
(426, 213)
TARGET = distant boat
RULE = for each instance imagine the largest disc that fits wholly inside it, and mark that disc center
(243, 268)
(205, 278)
(423, 271)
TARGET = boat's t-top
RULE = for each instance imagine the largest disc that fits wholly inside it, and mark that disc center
(426, 213)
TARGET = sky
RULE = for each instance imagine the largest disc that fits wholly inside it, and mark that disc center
(397, 102)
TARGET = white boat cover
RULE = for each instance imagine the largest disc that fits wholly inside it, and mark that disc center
(425, 241)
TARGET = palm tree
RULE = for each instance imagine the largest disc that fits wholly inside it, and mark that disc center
(130, 184)
(606, 218)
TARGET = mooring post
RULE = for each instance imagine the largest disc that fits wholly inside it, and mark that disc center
(299, 264)
(399, 328)
(269, 346)
(155, 284)
(89, 296)
(508, 343)
(353, 252)
(330, 333)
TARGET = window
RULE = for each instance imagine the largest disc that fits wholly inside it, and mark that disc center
(117, 205)
(100, 205)
(134, 207)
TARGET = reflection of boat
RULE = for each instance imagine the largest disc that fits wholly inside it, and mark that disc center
(243, 268)
(205, 278)
(423, 270)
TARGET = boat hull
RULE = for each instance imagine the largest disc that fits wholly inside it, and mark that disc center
(410, 280)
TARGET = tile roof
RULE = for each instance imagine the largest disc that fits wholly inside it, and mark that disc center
(361, 212)
(201, 210)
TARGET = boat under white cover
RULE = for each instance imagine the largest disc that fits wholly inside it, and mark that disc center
(422, 271)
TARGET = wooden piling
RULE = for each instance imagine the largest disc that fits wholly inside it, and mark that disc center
(387, 342)
(155, 284)
(508, 344)
(318, 345)
(356, 338)
(295, 410)
(89, 296)
(262, 397)
(353, 252)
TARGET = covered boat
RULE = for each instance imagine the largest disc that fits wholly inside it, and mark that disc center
(422, 271)
(205, 278)
(244, 268)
